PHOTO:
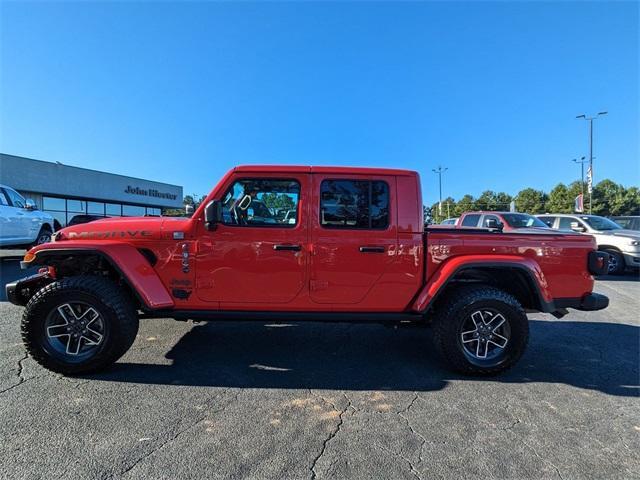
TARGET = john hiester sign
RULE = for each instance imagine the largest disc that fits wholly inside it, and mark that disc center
(149, 192)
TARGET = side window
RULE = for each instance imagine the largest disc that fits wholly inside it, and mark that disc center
(15, 198)
(255, 202)
(548, 221)
(470, 220)
(486, 219)
(3, 198)
(565, 223)
(354, 204)
(623, 222)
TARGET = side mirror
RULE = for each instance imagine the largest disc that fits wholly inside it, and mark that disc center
(212, 214)
(493, 224)
(188, 209)
(576, 227)
(30, 204)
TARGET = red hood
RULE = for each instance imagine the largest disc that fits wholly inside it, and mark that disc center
(125, 228)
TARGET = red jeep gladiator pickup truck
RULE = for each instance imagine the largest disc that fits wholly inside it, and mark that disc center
(301, 243)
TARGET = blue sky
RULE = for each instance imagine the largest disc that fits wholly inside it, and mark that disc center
(180, 92)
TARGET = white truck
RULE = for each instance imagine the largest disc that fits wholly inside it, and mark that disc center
(21, 223)
(623, 246)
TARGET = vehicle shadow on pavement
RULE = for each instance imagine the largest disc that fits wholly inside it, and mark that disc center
(628, 277)
(590, 355)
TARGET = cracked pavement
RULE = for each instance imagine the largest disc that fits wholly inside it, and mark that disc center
(313, 401)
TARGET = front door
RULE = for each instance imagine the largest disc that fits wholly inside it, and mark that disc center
(257, 255)
(353, 237)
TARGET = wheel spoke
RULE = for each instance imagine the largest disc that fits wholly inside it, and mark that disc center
(468, 336)
(73, 345)
(477, 318)
(66, 312)
(481, 350)
(90, 315)
(498, 340)
(92, 337)
(496, 322)
(57, 331)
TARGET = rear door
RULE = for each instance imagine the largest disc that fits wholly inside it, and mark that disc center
(353, 236)
(257, 256)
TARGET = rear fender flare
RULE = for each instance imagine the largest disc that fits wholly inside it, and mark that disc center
(447, 272)
(124, 258)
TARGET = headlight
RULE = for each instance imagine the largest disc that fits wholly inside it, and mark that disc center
(635, 243)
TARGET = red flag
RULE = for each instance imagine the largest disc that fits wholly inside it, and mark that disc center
(579, 204)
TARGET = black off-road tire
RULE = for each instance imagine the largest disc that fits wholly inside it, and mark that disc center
(617, 264)
(114, 306)
(458, 306)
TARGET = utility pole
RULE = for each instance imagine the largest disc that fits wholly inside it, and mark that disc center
(591, 119)
(582, 161)
(439, 171)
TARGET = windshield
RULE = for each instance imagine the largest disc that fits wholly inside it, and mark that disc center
(522, 220)
(601, 223)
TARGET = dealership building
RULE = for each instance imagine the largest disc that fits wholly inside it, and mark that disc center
(65, 191)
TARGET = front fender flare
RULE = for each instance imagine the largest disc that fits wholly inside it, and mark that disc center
(124, 258)
(447, 271)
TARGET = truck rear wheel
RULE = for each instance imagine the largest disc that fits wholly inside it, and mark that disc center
(78, 325)
(481, 330)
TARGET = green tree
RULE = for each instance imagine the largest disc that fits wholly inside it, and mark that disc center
(278, 201)
(426, 214)
(531, 201)
(608, 198)
(193, 199)
(560, 200)
(448, 208)
(503, 201)
(486, 201)
(465, 204)
(631, 202)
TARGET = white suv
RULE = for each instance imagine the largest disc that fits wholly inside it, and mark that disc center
(623, 246)
(21, 223)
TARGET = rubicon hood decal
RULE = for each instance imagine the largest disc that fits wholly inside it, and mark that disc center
(113, 234)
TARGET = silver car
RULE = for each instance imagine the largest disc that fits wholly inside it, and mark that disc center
(623, 246)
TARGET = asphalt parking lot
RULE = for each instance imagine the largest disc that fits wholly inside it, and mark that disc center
(308, 400)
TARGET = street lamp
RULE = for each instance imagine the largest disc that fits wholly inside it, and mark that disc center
(440, 171)
(591, 119)
(582, 161)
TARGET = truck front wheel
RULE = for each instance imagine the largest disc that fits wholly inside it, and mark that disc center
(480, 330)
(78, 325)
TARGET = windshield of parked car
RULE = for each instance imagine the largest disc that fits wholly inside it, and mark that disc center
(523, 220)
(601, 223)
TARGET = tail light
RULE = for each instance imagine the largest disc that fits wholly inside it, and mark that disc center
(598, 263)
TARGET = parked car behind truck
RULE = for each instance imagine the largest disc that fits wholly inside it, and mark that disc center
(506, 221)
(21, 223)
(623, 246)
(352, 248)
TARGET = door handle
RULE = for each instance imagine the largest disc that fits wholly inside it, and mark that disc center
(372, 249)
(290, 248)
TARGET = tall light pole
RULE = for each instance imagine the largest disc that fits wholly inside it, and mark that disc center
(582, 161)
(591, 119)
(440, 171)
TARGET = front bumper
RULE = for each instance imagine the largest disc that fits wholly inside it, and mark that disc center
(20, 291)
(631, 260)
